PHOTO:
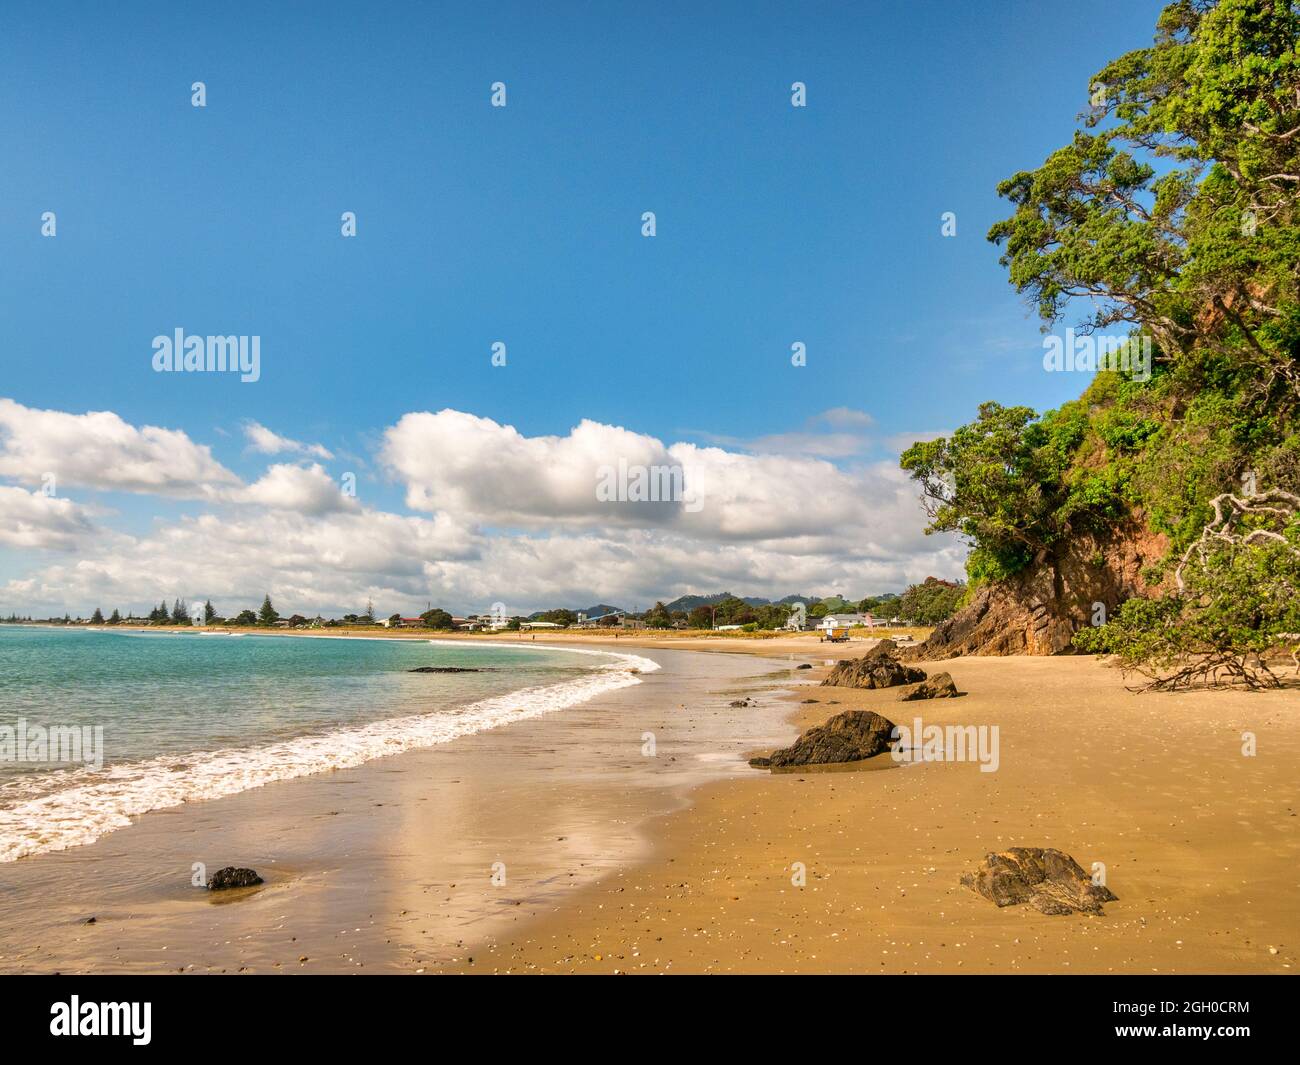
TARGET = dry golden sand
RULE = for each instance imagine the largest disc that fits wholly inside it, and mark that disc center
(1200, 842)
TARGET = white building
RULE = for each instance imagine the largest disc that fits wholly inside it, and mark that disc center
(845, 621)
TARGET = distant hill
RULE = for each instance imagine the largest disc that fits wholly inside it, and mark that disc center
(687, 603)
(597, 610)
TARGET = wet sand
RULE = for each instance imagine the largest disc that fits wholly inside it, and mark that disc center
(616, 862)
(390, 867)
(1200, 843)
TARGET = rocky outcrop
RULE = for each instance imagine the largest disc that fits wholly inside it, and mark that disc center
(1038, 611)
(847, 737)
(231, 877)
(878, 668)
(936, 686)
(446, 669)
(1049, 880)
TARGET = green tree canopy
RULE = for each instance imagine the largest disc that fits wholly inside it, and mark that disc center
(267, 615)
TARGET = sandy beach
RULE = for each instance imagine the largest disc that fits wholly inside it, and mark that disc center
(559, 845)
(403, 863)
(1200, 844)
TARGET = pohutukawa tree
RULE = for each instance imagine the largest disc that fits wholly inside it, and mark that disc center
(1236, 602)
(1170, 215)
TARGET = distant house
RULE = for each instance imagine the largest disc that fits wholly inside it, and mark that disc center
(403, 623)
(845, 621)
(727, 628)
(602, 621)
(526, 625)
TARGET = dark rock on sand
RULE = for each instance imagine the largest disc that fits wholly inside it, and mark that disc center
(878, 668)
(938, 686)
(847, 737)
(230, 877)
(805, 665)
(445, 669)
(1049, 880)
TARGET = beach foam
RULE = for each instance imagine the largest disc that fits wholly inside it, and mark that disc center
(91, 803)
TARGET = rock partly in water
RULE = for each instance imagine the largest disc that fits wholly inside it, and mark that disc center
(847, 737)
(878, 668)
(231, 877)
(937, 686)
(445, 669)
(1049, 880)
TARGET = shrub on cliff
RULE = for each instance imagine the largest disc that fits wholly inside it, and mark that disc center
(1171, 215)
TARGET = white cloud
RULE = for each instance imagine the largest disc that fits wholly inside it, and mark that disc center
(900, 442)
(305, 489)
(475, 468)
(837, 433)
(265, 442)
(491, 473)
(330, 562)
(507, 518)
(99, 450)
(335, 562)
(35, 520)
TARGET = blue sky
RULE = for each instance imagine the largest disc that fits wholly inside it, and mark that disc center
(522, 224)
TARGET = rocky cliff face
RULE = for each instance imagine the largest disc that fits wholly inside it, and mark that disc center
(1037, 611)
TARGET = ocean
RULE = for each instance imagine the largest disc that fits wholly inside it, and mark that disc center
(190, 716)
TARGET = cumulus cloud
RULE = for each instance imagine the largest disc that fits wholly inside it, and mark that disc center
(502, 517)
(36, 520)
(334, 563)
(305, 489)
(478, 468)
(99, 450)
(471, 466)
(265, 442)
(331, 562)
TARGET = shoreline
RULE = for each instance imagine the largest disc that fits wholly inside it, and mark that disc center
(1200, 842)
(134, 788)
(559, 800)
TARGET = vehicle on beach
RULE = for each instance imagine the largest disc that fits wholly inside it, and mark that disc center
(836, 636)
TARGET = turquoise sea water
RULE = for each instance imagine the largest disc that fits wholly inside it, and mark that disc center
(192, 716)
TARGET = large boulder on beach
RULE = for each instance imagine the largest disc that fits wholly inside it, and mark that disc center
(847, 737)
(937, 686)
(878, 668)
(1049, 880)
(231, 877)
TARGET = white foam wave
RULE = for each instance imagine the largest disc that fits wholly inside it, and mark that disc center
(97, 802)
